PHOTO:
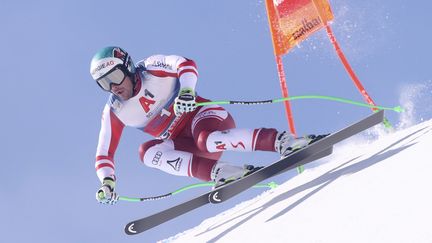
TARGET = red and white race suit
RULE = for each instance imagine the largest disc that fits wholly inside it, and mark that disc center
(187, 145)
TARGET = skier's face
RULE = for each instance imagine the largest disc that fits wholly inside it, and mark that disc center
(124, 90)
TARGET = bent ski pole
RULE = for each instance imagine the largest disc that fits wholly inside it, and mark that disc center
(204, 184)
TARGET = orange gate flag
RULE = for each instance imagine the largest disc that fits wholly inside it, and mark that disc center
(292, 21)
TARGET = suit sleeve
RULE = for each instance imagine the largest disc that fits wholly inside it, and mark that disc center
(109, 137)
(173, 66)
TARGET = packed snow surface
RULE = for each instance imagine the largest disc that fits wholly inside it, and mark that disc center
(370, 190)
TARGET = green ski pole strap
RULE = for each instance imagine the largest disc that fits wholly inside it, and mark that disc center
(270, 185)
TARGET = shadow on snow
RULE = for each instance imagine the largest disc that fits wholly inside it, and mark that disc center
(323, 181)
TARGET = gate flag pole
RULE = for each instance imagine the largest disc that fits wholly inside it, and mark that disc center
(352, 74)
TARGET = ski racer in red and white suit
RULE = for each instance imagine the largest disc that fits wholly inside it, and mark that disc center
(188, 141)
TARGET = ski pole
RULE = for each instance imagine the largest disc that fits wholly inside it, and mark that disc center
(322, 97)
(203, 184)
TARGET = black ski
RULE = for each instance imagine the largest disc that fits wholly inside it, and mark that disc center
(319, 149)
(143, 224)
(295, 159)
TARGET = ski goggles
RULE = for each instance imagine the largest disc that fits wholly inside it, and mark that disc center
(114, 76)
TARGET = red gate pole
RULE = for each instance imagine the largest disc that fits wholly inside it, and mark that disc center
(284, 89)
(351, 73)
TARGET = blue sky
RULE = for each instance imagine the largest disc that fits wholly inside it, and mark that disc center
(52, 108)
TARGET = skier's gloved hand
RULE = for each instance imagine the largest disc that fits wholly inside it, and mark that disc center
(185, 102)
(106, 194)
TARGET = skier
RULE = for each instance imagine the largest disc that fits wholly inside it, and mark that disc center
(157, 96)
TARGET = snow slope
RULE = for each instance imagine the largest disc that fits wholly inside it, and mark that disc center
(367, 191)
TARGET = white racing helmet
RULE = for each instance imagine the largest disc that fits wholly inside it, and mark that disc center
(111, 65)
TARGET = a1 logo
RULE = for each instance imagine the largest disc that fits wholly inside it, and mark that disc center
(147, 101)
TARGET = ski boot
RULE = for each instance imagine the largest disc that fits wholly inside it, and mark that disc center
(286, 143)
(224, 173)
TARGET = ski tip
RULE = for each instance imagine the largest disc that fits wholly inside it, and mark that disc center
(129, 229)
(381, 114)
